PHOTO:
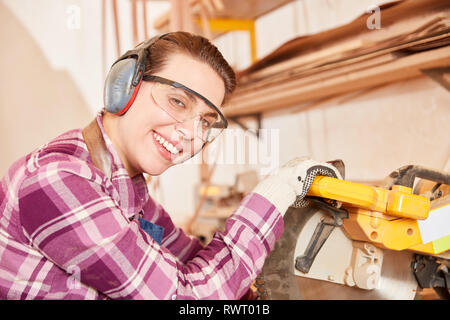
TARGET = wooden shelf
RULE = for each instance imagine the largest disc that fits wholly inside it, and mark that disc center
(415, 38)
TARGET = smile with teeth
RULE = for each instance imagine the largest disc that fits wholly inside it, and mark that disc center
(166, 144)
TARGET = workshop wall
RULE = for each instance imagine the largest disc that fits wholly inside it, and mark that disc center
(375, 132)
(53, 68)
(37, 100)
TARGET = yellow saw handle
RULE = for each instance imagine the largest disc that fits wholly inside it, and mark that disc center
(400, 201)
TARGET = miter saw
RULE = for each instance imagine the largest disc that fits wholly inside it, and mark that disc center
(358, 241)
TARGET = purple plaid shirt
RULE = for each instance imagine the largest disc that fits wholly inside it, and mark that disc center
(69, 232)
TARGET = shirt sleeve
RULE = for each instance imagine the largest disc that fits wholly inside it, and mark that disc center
(67, 213)
(175, 239)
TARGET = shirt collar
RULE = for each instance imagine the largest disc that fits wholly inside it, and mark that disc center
(133, 192)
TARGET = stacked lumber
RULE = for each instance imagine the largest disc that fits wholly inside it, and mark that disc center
(414, 37)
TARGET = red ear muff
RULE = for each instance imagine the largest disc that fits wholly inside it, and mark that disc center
(119, 91)
(125, 77)
(130, 102)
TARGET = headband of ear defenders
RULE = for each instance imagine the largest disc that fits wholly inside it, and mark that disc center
(125, 77)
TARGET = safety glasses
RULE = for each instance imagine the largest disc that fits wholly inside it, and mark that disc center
(184, 104)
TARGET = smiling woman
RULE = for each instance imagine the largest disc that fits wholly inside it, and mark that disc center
(177, 111)
(163, 111)
(81, 202)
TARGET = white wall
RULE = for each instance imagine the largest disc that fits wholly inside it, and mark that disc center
(37, 100)
(77, 49)
(375, 133)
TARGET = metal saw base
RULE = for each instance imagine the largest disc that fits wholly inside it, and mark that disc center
(279, 280)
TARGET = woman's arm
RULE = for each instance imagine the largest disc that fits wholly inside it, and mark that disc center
(72, 220)
(175, 239)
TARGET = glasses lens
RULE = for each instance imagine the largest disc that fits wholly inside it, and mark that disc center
(184, 106)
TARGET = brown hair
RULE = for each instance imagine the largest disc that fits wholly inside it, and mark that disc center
(197, 47)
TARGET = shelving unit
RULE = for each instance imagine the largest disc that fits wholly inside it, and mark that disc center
(414, 42)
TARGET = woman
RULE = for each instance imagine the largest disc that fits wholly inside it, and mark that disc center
(77, 221)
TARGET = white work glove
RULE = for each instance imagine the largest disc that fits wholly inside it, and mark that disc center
(290, 183)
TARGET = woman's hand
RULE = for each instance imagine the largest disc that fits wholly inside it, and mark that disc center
(290, 183)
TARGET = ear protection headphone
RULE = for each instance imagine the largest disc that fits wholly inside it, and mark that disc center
(125, 77)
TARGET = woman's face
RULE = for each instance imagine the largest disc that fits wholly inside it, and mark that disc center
(140, 129)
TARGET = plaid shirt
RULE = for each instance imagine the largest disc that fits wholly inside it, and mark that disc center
(69, 232)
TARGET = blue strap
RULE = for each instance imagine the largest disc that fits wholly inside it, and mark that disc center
(155, 231)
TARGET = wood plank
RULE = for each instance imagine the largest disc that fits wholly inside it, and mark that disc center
(353, 47)
(116, 27)
(319, 73)
(308, 69)
(304, 60)
(176, 15)
(295, 92)
(292, 71)
(134, 22)
(399, 14)
(144, 18)
(304, 83)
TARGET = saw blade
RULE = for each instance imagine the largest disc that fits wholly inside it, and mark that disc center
(278, 281)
